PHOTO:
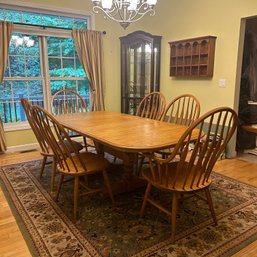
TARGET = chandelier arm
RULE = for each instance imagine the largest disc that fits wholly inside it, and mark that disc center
(106, 13)
(123, 13)
(141, 15)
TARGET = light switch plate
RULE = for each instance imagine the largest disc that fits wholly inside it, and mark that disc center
(222, 83)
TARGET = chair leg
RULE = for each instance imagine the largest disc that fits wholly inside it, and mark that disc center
(174, 216)
(59, 187)
(107, 183)
(76, 193)
(43, 166)
(85, 143)
(147, 192)
(53, 174)
(141, 162)
(210, 203)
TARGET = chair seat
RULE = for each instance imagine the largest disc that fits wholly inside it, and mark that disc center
(93, 163)
(78, 146)
(176, 183)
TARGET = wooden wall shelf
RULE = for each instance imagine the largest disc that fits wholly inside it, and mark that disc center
(192, 57)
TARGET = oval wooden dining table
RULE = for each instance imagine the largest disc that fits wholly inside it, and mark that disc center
(124, 136)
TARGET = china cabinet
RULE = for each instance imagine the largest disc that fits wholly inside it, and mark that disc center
(140, 68)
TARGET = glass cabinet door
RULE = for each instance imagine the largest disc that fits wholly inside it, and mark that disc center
(140, 68)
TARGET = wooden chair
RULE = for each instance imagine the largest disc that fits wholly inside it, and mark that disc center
(45, 150)
(152, 106)
(190, 173)
(182, 110)
(69, 101)
(70, 161)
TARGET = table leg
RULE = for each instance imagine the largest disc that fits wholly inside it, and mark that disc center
(130, 181)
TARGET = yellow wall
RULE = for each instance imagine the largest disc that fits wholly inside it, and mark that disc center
(20, 137)
(174, 20)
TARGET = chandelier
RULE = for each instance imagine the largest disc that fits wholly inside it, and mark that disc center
(124, 11)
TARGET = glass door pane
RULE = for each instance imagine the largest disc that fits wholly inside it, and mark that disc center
(140, 68)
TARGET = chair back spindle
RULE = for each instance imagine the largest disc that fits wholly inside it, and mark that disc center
(59, 141)
(210, 135)
(184, 110)
(68, 101)
(28, 108)
(152, 106)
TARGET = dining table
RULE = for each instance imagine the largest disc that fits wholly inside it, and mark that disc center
(124, 136)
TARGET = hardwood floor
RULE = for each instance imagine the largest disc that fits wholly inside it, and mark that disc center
(12, 243)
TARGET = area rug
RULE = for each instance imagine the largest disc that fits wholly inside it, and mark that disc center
(106, 231)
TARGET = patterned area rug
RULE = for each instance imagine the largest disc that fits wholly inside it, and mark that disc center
(106, 231)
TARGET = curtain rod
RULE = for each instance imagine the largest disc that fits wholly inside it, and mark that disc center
(45, 27)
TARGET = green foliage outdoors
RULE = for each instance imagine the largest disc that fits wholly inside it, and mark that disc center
(24, 62)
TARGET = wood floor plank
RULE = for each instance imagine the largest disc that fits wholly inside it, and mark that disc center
(12, 243)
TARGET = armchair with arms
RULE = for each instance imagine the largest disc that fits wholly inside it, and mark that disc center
(191, 173)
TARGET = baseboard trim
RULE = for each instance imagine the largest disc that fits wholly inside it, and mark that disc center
(30, 147)
(22, 148)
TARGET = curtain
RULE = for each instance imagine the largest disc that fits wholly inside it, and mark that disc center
(89, 46)
(5, 37)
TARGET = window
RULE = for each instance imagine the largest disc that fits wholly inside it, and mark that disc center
(42, 60)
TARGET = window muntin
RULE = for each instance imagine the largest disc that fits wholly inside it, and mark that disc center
(25, 75)
(80, 86)
(62, 58)
(23, 61)
(42, 19)
(10, 107)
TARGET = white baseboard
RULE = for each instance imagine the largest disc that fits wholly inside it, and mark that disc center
(20, 148)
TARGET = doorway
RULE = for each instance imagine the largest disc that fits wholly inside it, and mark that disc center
(247, 86)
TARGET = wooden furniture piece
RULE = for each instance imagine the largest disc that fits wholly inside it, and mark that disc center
(70, 161)
(192, 57)
(45, 150)
(152, 106)
(253, 129)
(69, 101)
(140, 68)
(124, 136)
(191, 173)
(250, 128)
(184, 110)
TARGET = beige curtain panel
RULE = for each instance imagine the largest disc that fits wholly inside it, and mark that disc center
(89, 46)
(5, 37)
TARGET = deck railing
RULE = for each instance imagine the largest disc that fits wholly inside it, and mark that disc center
(12, 111)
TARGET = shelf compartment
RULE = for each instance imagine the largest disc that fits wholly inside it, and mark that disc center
(192, 57)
